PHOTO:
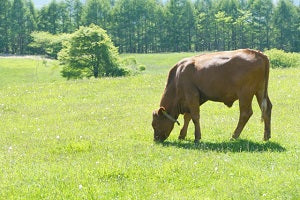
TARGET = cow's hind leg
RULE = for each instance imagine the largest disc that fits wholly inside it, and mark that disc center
(183, 132)
(266, 109)
(267, 120)
(245, 104)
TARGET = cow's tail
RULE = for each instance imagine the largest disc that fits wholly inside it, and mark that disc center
(264, 104)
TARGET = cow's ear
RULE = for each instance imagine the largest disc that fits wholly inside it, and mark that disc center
(161, 110)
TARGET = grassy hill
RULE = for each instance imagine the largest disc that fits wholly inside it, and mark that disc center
(92, 139)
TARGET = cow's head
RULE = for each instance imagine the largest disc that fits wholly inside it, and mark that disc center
(162, 124)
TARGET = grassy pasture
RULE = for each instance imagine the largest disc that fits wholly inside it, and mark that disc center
(92, 139)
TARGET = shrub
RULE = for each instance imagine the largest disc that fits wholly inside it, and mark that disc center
(132, 66)
(90, 52)
(142, 67)
(280, 58)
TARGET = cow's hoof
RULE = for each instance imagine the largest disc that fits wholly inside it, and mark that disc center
(196, 141)
(267, 136)
(181, 138)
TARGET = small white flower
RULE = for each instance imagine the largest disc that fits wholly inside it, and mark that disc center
(10, 148)
(80, 187)
(80, 137)
(57, 137)
(97, 163)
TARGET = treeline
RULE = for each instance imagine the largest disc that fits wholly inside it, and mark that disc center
(142, 26)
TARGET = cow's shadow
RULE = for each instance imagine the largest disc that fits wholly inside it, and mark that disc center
(240, 145)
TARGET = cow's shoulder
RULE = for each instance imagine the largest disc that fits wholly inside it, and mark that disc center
(186, 64)
(172, 74)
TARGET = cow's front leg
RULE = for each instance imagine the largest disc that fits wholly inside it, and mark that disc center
(183, 132)
(192, 100)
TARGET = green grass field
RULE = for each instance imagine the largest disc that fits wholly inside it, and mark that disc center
(92, 139)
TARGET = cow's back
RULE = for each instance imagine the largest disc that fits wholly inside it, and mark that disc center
(222, 76)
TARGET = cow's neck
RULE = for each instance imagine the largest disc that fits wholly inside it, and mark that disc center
(169, 101)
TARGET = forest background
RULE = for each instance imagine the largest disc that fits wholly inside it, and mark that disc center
(149, 26)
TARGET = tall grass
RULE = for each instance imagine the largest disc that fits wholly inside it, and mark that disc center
(92, 139)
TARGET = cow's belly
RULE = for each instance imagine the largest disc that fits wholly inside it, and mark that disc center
(228, 98)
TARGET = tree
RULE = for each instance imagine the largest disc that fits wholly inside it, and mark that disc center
(77, 12)
(74, 9)
(261, 11)
(160, 39)
(243, 28)
(90, 52)
(180, 18)
(97, 12)
(125, 21)
(286, 27)
(4, 25)
(64, 19)
(57, 18)
(30, 17)
(53, 14)
(223, 36)
(205, 28)
(49, 18)
(17, 36)
(189, 24)
(43, 22)
(134, 25)
(227, 22)
(30, 23)
(142, 26)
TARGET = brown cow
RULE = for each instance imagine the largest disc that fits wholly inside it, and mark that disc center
(222, 77)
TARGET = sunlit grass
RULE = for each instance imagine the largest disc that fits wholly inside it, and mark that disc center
(16, 71)
(92, 139)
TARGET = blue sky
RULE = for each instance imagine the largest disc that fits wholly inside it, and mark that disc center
(40, 3)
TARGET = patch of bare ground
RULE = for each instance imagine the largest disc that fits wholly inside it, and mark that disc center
(35, 57)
